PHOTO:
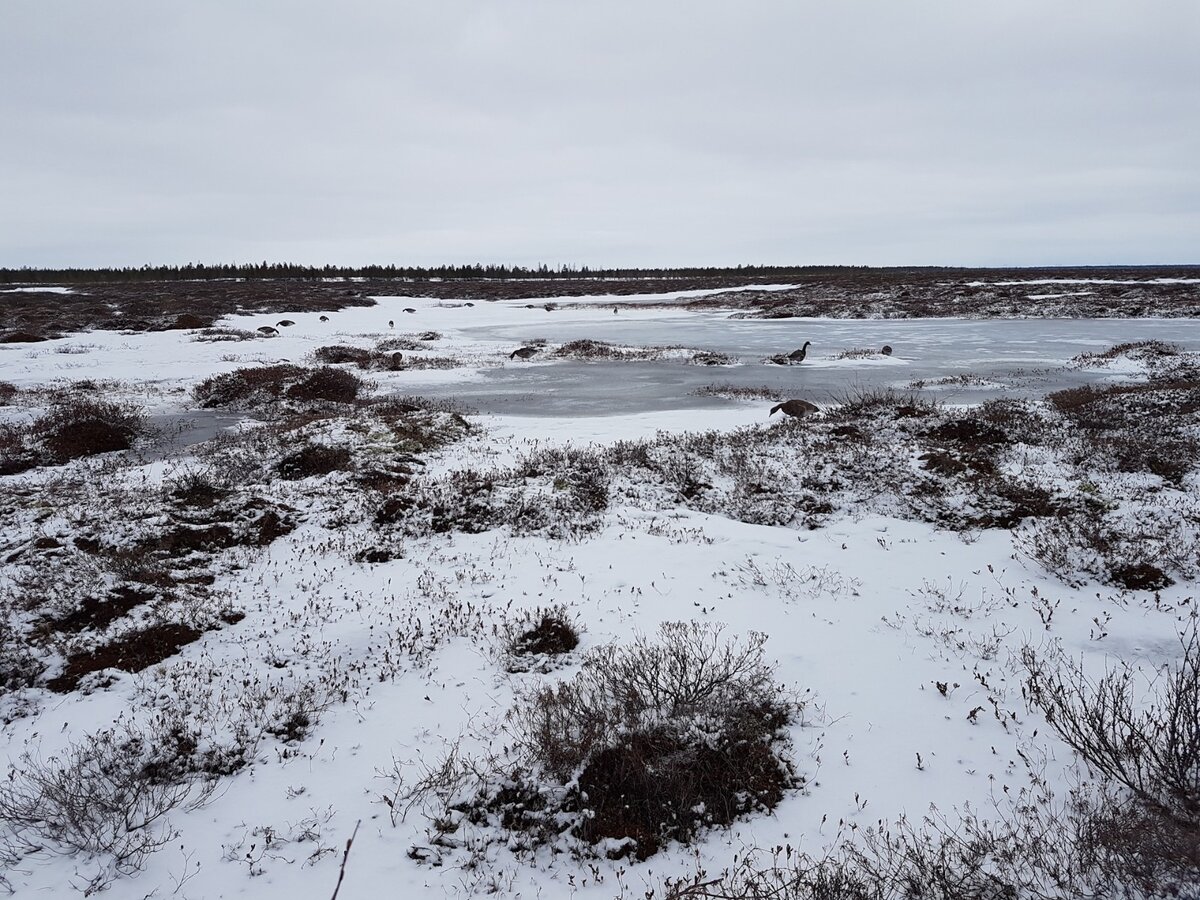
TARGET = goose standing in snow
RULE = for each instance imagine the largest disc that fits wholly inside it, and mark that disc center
(797, 409)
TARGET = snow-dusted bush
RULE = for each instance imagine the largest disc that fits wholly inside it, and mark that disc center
(650, 742)
(1144, 738)
(533, 638)
(104, 796)
(1144, 546)
(247, 386)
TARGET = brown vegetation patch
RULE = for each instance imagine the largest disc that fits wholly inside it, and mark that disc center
(266, 526)
(184, 539)
(656, 787)
(420, 430)
(377, 554)
(197, 490)
(245, 386)
(131, 653)
(1152, 350)
(327, 383)
(16, 455)
(188, 321)
(1141, 577)
(551, 634)
(857, 353)
(942, 463)
(589, 349)
(216, 335)
(711, 358)
(83, 427)
(337, 354)
(99, 612)
(400, 342)
(432, 362)
(738, 392)
(313, 460)
(1013, 502)
(968, 433)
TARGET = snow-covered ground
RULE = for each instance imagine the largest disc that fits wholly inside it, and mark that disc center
(901, 639)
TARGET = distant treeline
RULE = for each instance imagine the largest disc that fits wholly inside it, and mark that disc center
(478, 272)
(201, 271)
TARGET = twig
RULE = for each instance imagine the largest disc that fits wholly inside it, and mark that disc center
(345, 856)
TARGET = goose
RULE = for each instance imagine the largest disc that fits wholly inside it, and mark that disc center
(284, 323)
(523, 352)
(391, 323)
(324, 318)
(798, 355)
(797, 409)
(267, 329)
(887, 350)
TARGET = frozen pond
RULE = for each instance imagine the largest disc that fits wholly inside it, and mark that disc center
(1015, 357)
(1002, 357)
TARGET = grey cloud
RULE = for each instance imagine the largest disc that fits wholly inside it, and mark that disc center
(617, 133)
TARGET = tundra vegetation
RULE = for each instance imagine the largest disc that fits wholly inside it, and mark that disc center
(139, 569)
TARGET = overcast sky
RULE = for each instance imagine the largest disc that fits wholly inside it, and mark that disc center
(879, 132)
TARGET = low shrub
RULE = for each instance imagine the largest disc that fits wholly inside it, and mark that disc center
(869, 402)
(1141, 826)
(534, 637)
(197, 489)
(262, 385)
(1145, 739)
(215, 335)
(1150, 351)
(648, 743)
(857, 353)
(1142, 546)
(104, 796)
(17, 454)
(189, 321)
(400, 342)
(340, 353)
(247, 386)
(585, 348)
(661, 738)
(711, 358)
(739, 392)
(327, 383)
(19, 666)
(83, 427)
(313, 460)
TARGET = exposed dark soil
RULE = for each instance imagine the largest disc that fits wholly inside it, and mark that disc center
(131, 653)
(99, 612)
